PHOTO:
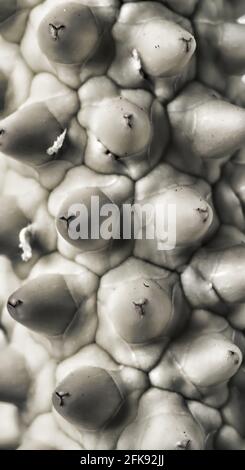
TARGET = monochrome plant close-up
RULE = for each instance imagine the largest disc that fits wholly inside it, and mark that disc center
(122, 225)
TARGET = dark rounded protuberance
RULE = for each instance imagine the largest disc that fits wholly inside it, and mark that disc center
(131, 126)
(140, 311)
(164, 47)
(12, 221)
(88, 398)
(44, 305)
(14, 377)
(211, 360)
(7, 9)
(28, 133)
(68, 33)
(77, 220)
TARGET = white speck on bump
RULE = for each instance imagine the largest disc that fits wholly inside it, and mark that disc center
(136, 59)
(57, 145)
(25, 237)
(241, 20)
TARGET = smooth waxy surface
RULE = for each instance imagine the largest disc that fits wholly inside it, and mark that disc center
(220, 129)
(216, 269)
(68, 34)
(205, 369)
(28, 133)
(163, 423)
(43, 304)
(193, 214)
(182, 436)
(230, 47)
(230, 282)
(70, 222)
(164, 47)
(142, 337)
(14, 377)
(7, 9)
(91, 398)
(205, 124)
(122, 127)
(140, 311)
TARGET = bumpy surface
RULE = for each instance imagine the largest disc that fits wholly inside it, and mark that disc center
(115, 344)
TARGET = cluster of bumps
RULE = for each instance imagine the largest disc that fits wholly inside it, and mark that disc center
(114, 344)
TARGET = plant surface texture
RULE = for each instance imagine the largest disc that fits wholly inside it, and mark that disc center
(122, 342)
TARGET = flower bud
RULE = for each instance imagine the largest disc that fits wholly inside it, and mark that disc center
(166, 411)
(88, 398)
(44, 305)
(68, 33)
(28, 133)
(212, 128)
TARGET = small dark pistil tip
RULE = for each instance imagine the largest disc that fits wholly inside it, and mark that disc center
(184, 445)
(129, 120)
(54, 30)
(139, 306)
(14, 303)
(61, 396)
(234, 355)
(204, 213)
(67, 220)
(187, 43)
